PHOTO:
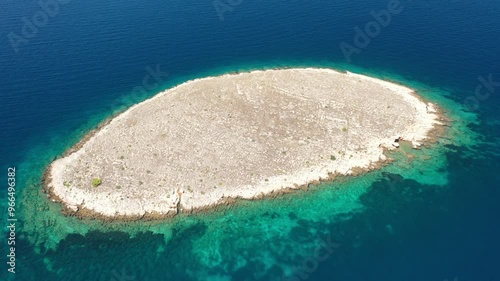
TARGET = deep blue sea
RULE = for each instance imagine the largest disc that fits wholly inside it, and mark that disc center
(67, 66)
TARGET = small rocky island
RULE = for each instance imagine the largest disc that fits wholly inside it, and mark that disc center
(248, 135)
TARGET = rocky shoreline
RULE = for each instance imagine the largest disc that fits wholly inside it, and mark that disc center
(82, 210)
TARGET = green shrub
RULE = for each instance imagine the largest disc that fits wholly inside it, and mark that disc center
(96, 182)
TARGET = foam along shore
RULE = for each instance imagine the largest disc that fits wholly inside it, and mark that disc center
(244, 135)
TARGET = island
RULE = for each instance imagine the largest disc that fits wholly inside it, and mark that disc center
(214, 140)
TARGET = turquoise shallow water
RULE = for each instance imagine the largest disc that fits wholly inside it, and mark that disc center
(271, 237)
(432, 218)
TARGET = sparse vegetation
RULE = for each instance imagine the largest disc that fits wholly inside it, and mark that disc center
(66, 183)
(344, 129)
(96, 182)
(333, 158)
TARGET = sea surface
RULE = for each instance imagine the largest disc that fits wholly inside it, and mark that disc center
(434, 215)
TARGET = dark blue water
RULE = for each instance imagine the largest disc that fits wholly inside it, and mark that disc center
(83, 65)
